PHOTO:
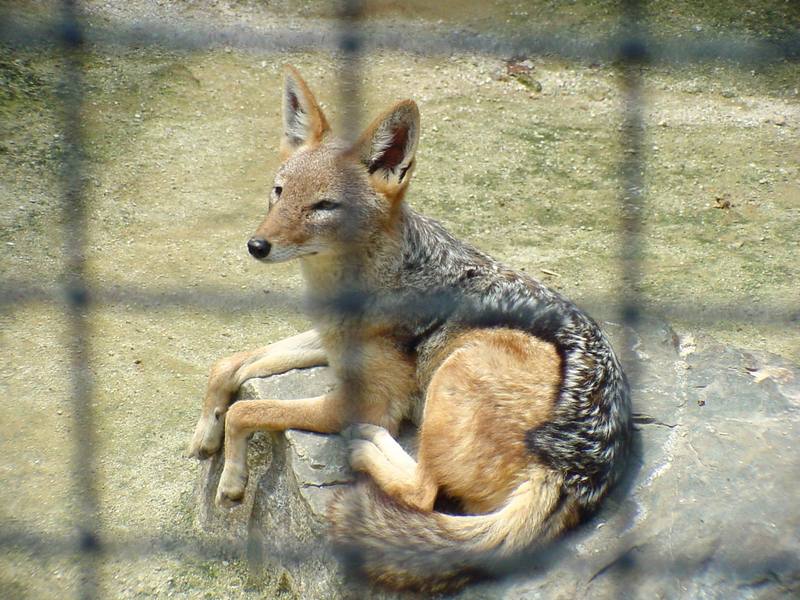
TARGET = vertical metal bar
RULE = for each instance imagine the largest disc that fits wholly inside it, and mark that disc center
(350, 45)
(632, 55)
(352, 297)
(78, 301)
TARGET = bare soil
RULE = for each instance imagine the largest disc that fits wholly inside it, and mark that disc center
(181, 148)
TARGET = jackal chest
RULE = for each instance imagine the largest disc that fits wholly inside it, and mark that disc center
(380, 376)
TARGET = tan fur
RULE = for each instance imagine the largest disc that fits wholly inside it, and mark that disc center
(386, 386)
(390, 188)
(525, 509)
(480, 402)
(487, 387)
(228, 374)
(410, 548)
(318, 125)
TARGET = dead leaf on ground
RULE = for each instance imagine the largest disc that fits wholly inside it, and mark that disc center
(521, 71)
(722, 201)
(777, 374)
(523, 67)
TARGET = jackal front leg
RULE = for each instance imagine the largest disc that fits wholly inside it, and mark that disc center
(228, 374)
(323, 414)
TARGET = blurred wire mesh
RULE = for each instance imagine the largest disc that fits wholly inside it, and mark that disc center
(349, 41)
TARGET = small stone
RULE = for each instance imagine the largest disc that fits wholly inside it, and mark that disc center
(498, 75)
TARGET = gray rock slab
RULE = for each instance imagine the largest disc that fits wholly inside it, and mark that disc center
(710, 506)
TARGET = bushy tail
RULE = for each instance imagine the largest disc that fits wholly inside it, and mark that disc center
(404, 548)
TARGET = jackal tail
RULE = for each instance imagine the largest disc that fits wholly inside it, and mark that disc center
(404, 548)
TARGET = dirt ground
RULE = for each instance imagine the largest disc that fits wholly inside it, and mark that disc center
(181, 147)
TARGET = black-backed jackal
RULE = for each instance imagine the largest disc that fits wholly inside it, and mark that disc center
(525, 416)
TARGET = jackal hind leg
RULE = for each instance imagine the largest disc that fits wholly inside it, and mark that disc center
(374, 451)
(493, 387)
(323, 414)
(228, 374)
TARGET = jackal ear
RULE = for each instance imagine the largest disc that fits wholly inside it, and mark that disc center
(388, 146)
(303, 119)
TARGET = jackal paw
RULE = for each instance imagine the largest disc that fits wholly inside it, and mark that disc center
(371, 445)
(365, 431)
(362, 453)
(232, 484)
(208, 434)
(363, 444)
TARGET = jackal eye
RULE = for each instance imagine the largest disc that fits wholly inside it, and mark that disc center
(325, 205)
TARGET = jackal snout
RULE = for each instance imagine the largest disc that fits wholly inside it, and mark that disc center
(258, 247)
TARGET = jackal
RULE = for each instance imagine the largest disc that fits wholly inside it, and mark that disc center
(525, 414)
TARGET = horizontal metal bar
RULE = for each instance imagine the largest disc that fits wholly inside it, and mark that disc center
(417, 39)
(44, 547)
(47, 546)
(16, 294)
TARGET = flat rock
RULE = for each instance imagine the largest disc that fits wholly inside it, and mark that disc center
(709, 507)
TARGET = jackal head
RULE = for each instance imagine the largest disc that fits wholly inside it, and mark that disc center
(328, 195)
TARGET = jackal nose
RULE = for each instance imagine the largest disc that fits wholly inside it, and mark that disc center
(258, 247)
